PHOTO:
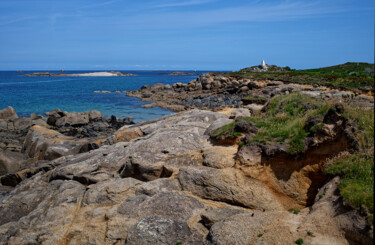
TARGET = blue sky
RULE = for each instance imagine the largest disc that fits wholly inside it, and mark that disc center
(184, 34)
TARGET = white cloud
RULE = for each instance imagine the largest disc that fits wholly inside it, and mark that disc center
(256, 12)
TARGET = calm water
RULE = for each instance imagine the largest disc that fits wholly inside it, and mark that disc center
(42, 94)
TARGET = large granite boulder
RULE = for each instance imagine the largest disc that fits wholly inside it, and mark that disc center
(8, 113)
(73, 119)
(160, 230)
(46, 144)
(11, 161)
(228, 185)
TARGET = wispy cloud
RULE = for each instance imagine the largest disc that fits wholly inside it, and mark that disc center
(13, 20)
(255, 12)
(95, 5)
(183, 3)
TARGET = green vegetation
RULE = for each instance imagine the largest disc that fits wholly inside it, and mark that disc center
(295, 211)
(357, 179)
(227, 131)
(321, 196)
(357, 170)
(365, 122)
(349, 75)
(299, 241)
(260, 235)
(284, 121)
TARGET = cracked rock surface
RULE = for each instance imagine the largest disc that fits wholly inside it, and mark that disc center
(164, 184)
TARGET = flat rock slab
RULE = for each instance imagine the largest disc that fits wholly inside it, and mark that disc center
(227, 185)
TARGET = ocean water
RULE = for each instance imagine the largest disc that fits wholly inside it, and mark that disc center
(76, 94)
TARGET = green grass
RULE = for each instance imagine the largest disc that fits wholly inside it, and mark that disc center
(284, 122)
(357, 179)
(348, 75)
(295, 211)
(227, 131)
(285, 119)
(357, 170)
(364, 119)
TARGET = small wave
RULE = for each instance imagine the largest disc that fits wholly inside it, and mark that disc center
(49, 81)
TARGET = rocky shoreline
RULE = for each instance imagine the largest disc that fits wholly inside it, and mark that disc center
(81, 178)
(170, 181)
(77, 132)
(215, 92)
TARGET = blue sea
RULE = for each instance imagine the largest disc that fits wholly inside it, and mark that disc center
(76, 94)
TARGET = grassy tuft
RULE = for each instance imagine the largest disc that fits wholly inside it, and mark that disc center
(357, 179)
(227, 131)
(364, 119)
(285, 119)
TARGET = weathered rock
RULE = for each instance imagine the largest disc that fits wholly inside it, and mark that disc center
(254, 228)
(160, 230)
(8, 113)
(93, 115)
(227, 185)
(145, 166)
(165, 204)
(239, 113)
(54, 115)
(220, 156)
(157, 186)
(110, 192)
(73, 119)
(46, 144)
(245, 127)
(22, 123)
(330, 214)
(82, 199)
(212, 216)
(11, 161)
(217, 124)
(126, 134)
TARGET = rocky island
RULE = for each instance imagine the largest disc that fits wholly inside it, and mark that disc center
(246, 161)
(90, 74)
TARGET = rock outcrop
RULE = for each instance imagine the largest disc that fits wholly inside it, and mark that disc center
(161, 183)
(215, 91)
(11, 161)
(36, 138)
(8, 113)
(90, 124)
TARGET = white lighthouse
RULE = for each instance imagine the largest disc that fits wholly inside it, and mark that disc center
(263, 65)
